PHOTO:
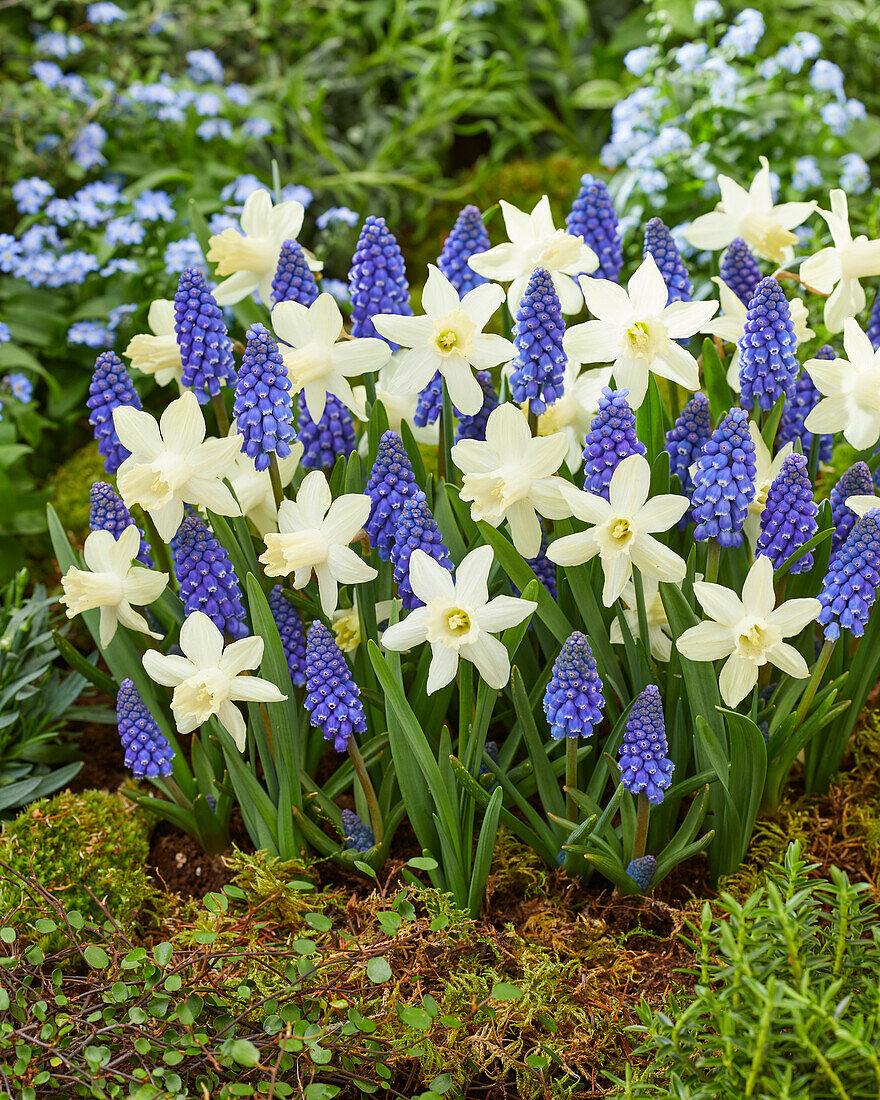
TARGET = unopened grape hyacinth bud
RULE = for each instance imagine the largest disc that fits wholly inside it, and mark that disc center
(789, 516)
(611, 439)
(333, 698)
(205, 347)
(294, 281)
(537, 371)
(377, 279)
(724, 481)
(207, 580)
(850, 585)
(332, 436)
(110, 387)
(642, 871)
(660, 245)
(290, 630)
(358, 835)
(147, 752)
(108, 513)
(573, 700)
(392, 482)
(767, 364)
(263, 408)
(468, 237)
(416, 530)
(644, 753)
(740, 271)
(593, 217)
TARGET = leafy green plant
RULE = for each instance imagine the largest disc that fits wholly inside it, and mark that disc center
(786, 996)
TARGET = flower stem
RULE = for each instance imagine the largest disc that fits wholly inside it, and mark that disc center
(220, 414)
(643, 819)
(158, 546)
(168, 784)
(447, 435)
(815, 679)
(360, 769)
(571, 777)
(466, 715)
(275, 478)
(713, 558)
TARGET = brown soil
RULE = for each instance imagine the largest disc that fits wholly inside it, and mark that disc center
(179, 865)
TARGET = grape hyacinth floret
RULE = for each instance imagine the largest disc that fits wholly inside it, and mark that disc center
(724, 481)
(659, 243)
(108, 513)
(207, 580)
(332, 436)
(873, 329)
(294, 281)
(263, 407)
(474, 427)
(611, 439)
(110, 387)
(543, 567)
(687, 437)
(856, 481)
(537, 371)
(205, 347)
(377, 279)
(290, 630)
(593, 218)
(642, 870)
(333, 698)
(740, 271)
(850, 585)
(358, 835)
(767, 364)
(467, 238)
(147, 752)
(573, 700)
(789, 516)
(644, 753)
(416, 530)
(392, 482)
(429, 402)
(801, 402)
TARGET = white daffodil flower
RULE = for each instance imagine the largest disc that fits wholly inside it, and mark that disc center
(253, 487)
(510, 476)
(535, 242)
(751, 215)
(638, 331)
(836, 270)
(766, 470)
(448, 338)
(158, 354)
(458, 619)
(730, 325)
(250, 259)
(400, 408)
(573, 412)
(624, 529)
(748, 631)
(112, 582)
(850, 389)
(318, 361)
(314, 532)
(346, 624)
(659, 630)
(207, 680)
(862, 503)
(171, 463)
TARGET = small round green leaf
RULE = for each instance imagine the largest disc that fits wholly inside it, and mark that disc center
(378, 970)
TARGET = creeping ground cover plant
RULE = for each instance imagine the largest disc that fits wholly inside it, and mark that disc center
(543, 549)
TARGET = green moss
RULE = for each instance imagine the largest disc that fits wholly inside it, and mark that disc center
(71, 842)
(70, 488)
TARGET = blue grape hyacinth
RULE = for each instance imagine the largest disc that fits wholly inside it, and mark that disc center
(789, 516)
(536, 372)
(850, 585)
(110, 387)
(474, 427)
(377, 279)
(642, 871)
(687, 437)
(593, 218)
(147, 752)
(333, 698)
(873, 329)
(207, 580)
(205, 347)
(644, 753)
(416, 530)
(468, 237)
(392, 482)
(724, 481)
(573, 700)
(332, 436)
(108, 513)
(429, 402)
(611, 439)
(290, 630)
(767, 364)
(660, 245)
(739, 269)
(263, 407)
(293, 281)
(856, 481)
(801, 402)
(543, 568)
(358, 835)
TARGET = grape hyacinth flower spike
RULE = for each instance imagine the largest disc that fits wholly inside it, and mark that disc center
(377, 278)
(293, 281)
(850, 585)
(740, 270)
(392, 482)
(611, 439)
(205, 347)
(873, 329)
(263, 407)
(107, 512)
(537, 371)
(332, 436)
(801, 402)
(660, 245)
(789, 516)
(856, 481)
(290, 630)
(147, 752)
(687, 437)
(429, 402)
(593, 218)
(416, 530)
(358, 835)
(767, 364)
(642, 871)
(333, 698)
(110, 387)
(644, 754)
(474, 427)
(207, 580)
(573, 700)
(468, 237)
(724, 481)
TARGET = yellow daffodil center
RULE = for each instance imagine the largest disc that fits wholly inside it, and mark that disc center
(454, 334)
(447, 340)
(639, 337)
(202, 694)
(766, 235)
(621, 529)
(458, 621)
(754, 637)
(347, 631)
